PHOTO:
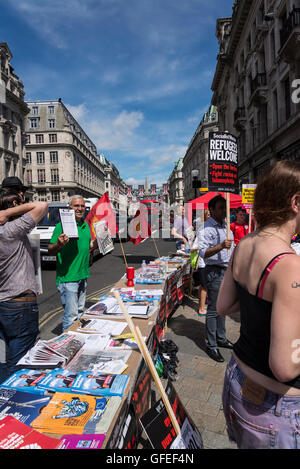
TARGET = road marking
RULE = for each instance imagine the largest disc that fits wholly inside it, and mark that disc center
(50, 314)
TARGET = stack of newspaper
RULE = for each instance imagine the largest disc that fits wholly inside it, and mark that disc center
(49, 353)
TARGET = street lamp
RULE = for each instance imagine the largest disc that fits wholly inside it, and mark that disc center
(196, 182)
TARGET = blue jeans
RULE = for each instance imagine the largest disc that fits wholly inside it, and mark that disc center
(19, 328)
(215, 324)
(272, 423)
(72, 295)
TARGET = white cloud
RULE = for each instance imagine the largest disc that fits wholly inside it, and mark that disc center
(78, 112)
(114, 133)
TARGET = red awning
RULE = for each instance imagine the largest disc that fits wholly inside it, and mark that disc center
(235, 200)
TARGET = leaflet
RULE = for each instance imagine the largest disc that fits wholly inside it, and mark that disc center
(68, 221)
(24, 406)
(17, 435)
(58, 380)
(26, 381)
(106, 327)
(100, 384)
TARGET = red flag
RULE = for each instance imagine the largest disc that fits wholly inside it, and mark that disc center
(102, 210)
(139, 228)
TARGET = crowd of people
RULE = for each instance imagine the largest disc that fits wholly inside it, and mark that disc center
(254, 274)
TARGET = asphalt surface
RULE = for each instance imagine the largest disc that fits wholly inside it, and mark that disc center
(105, 272)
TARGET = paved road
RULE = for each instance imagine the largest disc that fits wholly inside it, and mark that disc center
(105, 272)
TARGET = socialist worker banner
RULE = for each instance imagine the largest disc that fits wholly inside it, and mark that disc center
(223, 163)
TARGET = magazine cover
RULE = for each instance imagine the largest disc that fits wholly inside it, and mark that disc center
(100, 384)
(26, 380)
(105, 410)
(24, 406)
(58, 380)
(81, 441)
(17, 435)
(66, 413)
(99, 361)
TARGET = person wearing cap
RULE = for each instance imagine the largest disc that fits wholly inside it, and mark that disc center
(18, 288)
(13, 182)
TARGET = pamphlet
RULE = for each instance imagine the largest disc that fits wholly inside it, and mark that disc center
(82, 441)
(102, 326)
(58, 380)
(106, 361)
(26, 381)
(24, 406)
(100, 384)
(68, 221)
(16, 435)
(66, 413)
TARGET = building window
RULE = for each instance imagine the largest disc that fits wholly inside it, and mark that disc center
(7, 168)
(54, 176)
(28, 158)
(29, 176)
(53, 157)
(33, 123)
(55, 196)
(41, 176)
(34, 110)
(42, 195)
(27, 139)
(39, 138)
(52, 138)
(50, 109)
(40, 157)
(51, 123)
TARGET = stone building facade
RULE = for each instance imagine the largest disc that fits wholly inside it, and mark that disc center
(114, 186)
(13, 110)
(255, 82)
(61, 160)
(175, 184)
(196, 156)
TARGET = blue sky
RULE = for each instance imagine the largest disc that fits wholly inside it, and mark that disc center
(136, 74)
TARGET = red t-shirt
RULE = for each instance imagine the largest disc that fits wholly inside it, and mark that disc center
(239, 231)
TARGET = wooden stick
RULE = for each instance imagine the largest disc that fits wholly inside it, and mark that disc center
(122, 249)
(155, 246)
(250, 220)
(228, 216)
(148, 359)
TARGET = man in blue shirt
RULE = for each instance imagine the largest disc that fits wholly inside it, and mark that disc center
(216, 250)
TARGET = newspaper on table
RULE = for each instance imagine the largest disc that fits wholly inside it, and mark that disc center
(59, 350)
(123, 342)
(108, 306)
(102, 326)
(107, 361)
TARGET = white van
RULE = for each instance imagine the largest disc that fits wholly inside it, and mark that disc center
(46, 227)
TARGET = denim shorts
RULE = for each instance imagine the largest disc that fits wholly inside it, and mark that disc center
(274, 423)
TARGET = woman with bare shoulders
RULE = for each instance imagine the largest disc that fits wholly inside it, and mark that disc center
(261, 395)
